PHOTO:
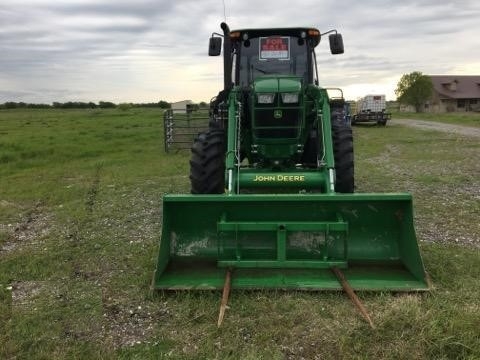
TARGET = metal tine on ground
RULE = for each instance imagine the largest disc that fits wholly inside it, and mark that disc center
(351, 294)
(225, 294)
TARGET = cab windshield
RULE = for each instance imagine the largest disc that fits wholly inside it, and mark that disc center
(273, 55)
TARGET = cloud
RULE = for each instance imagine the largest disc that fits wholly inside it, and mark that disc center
(147, 50)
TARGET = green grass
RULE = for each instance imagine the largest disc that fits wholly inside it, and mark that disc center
(80, 220)
(465, 118)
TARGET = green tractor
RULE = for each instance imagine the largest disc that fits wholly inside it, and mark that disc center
(272, 182)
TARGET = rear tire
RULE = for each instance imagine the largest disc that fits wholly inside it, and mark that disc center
(344, 161)
(337, 114)
(207, 164)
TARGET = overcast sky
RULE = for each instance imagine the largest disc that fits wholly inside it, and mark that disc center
(146, 50)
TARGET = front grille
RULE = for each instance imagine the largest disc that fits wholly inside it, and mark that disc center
(266, 126)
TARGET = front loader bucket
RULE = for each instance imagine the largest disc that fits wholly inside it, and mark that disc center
(289, 242)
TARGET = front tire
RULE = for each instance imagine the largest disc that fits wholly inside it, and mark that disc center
(207, 164)
(344, 161)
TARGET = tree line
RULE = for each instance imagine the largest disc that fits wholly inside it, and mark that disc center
(81, 105)
(412, 89)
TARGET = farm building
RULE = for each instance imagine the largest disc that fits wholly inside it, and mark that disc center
(182, 106)
(452, 93)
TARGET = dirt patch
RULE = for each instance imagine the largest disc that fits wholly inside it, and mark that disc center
(114, 321)
(93, 190)
(5, 203)
(34, 226)
(437, 126)
(444, 186)
(133, 323)
(136, 220)
(24, 293)
(37, 301)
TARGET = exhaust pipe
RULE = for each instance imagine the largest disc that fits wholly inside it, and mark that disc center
(227, 57)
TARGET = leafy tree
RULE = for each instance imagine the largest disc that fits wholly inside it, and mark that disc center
(414, 89)
(164, 105)
(10, 105)
(38, 106)
(106, 105)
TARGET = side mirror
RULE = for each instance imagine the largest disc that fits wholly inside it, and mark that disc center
(336, 43)
(215, 46)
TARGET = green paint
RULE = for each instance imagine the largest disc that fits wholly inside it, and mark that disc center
(370, 234)
(288, 143)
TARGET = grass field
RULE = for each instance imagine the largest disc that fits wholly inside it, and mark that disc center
(80, 220)
(467, 119)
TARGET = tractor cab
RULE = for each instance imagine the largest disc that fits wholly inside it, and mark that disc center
(286, 53)
(252, 53)
(271, 71)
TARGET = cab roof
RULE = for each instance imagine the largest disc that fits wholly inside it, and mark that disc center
(301, 32)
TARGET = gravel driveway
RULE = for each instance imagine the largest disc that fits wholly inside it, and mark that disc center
(437, 126)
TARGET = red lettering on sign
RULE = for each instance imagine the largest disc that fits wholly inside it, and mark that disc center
(274, 44)
(275, 47)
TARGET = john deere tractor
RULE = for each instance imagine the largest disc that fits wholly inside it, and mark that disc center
(272, 183)
(271, 120)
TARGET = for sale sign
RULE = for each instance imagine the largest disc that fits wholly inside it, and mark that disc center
(275, 47)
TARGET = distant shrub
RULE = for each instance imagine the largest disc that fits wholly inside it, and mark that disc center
(124, 106)
(106, 105)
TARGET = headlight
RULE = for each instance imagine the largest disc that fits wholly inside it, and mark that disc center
(266, 98)
(290, 98)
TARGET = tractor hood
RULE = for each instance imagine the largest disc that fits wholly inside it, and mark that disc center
(277, 84)
(277, 119)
